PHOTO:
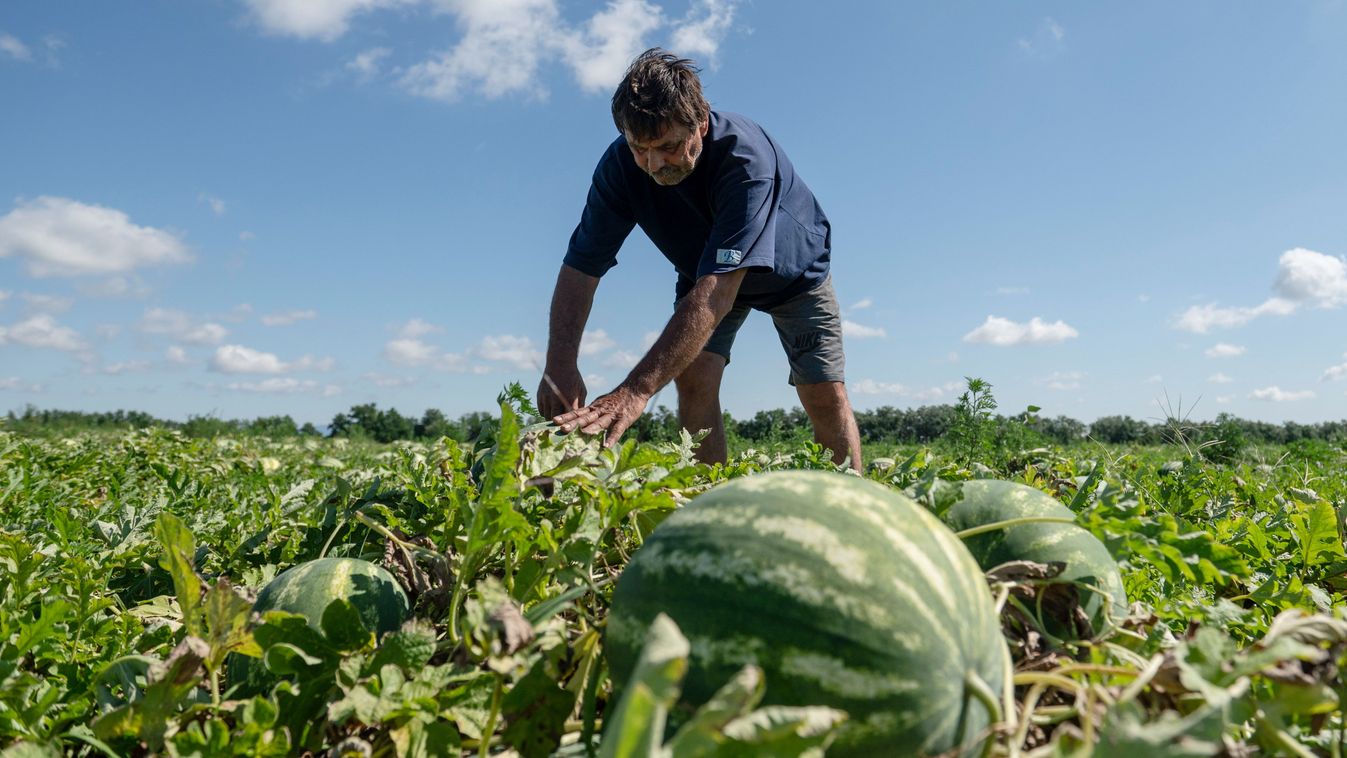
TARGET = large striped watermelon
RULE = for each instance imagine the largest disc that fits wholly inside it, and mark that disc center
(1088, 563)
(308, 588)
(845, 592)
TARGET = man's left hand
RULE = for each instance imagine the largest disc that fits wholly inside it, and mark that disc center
(614, 412)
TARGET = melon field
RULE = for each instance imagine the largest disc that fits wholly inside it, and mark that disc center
(532, 594)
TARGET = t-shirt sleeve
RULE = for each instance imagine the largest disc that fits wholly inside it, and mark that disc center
(744, 232)
(604, 224)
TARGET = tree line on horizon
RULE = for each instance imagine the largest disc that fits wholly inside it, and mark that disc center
(883, 425)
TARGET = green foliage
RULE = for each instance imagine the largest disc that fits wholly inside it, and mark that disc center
(971, 435)
(130, 549)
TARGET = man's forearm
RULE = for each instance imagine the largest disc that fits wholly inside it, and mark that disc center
(686, 334)
(571, 301)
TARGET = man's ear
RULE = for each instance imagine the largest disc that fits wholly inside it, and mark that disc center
(706, 126)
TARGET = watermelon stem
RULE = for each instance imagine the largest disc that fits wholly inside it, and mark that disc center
(489, 730)
(974, 531)
(984, 694)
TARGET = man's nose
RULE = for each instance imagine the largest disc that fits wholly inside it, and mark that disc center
(654, 161)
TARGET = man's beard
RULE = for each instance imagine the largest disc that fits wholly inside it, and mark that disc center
(671, 175)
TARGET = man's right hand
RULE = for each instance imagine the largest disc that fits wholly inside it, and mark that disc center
(560, 391)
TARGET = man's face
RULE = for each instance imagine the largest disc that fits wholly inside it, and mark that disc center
(670, 157)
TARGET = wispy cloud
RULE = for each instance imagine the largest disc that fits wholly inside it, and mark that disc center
(1006, 333)
(14, 48)
(286, 385)
(1063, 380)
(1046, 40)
(217, 206)
(15, 384)
(238, 359)
(287, 318)
(517, 352)
(1224, 350)
(182, 327)
(42, 332)
(897, 389)
(56, 236)
(595, 342)
(1334, 373)
(860, 331)
(368, 64)
(1276, 394)
(1219, 378)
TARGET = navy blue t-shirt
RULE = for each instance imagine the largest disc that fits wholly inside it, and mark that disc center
(743, 206)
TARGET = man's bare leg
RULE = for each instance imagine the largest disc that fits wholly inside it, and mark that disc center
(699, 405)
(834, 422)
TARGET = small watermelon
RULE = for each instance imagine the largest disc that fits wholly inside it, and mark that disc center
(1088, 563)
(308, 588)
(843, 591)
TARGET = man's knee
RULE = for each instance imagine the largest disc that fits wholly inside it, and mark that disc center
(701, 380)
(823, 397)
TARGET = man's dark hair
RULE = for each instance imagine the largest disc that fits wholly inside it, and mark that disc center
(659, 89)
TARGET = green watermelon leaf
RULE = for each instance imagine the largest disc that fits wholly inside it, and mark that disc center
(344, 628)
(179, 551)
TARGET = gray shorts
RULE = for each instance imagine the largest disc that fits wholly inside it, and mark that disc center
(810, 328)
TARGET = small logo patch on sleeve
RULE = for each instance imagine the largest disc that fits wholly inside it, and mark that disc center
(732, 257)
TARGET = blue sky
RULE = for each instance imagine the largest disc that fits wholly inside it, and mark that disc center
(252, 207)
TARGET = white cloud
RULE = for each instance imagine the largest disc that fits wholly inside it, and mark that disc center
(182, 326)
(1004, 332)
(648, 340)
(927, 394)
(14, 48)
(600, 54)
(1334, 373)
(116, 286)
(410, 352)
(246, 236)
(1276, 394)
(3, 296)
(1304, 278)
(1143, 298)
(1225, 399)
(176, 355)
(61, 237)
(285, 385)
(862, 304)
(859, 331)
(504, 44)
(1155, 379)
(42, 332)
(1224, 350)
(125, 367)
(368, 64)
(35, 303)
(595, 342)
(518, 352)
(288, 317)
(1219, 378)
(622, 359)
(702, 30)
(1202, 318)
(15, 384)
(237, 359)
(872, 387)
(217, 206)
(417, 328)
(1063, 380)
(315, 19)
(108, 331)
